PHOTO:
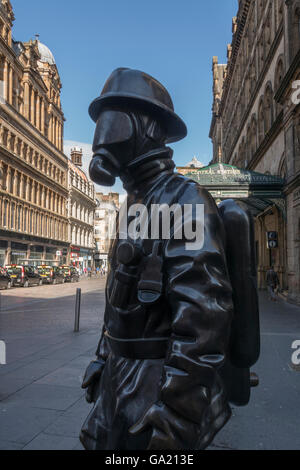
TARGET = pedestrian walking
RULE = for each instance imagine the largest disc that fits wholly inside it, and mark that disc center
(272, 283)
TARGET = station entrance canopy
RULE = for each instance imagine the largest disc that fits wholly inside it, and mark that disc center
(258, 191)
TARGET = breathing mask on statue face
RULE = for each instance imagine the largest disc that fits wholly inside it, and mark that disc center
(120, 138)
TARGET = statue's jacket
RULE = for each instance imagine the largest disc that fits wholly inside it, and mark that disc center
(175, 397)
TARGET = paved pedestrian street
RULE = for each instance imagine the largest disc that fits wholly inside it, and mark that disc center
(42, 405)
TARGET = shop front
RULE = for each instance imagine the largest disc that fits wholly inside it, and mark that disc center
(101, 260)
(264, 197)
(36, 255)
(81, 258)
(18, 254)
(3, 252)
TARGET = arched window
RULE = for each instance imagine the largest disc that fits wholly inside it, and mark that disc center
(296, 30)
(282, 167)
(279, 74)
(248, 147)
(268, 108)
(261, 122)
(253, 142)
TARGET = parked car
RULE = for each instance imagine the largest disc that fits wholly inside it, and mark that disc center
(51, 274)
(70, 273)
(24, 276)
(5, 280)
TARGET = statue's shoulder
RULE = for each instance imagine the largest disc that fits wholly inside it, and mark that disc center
(189, 191)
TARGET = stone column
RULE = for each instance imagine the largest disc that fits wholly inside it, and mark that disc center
(32, 106)
(57, 134)
(43, 197)
(28, 187)
(22, 186)
(8, 253)
(38, 112)
(26, 100)
(15, 183)
(28, 247)
(44, 252)
(8, 179)
(50, 129)
(6, 80)
(11, 84)
(37, 199)
(8, 215)
(42, 116)
(53, 130)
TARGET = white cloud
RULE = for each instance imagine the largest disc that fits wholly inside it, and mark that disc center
(87, 156)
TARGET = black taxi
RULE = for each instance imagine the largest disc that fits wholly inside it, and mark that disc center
(24, 276)
(51, 274)
(5, 280)
(70, 273)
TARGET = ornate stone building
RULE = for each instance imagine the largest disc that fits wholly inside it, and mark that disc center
(256, 123)
(107, 209)
(194, 164)
(33, 168)
(81, 211)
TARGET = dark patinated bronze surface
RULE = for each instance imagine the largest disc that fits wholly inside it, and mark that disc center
(158, 381)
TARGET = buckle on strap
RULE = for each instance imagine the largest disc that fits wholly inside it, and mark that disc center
(150, 287)
(140, 348)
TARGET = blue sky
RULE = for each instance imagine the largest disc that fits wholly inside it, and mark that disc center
(173, 40)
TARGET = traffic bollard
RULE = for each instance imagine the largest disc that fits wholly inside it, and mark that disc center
(77, 311)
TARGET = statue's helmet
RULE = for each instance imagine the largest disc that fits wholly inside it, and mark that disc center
(136, 89)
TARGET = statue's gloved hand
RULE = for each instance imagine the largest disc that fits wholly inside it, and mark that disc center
(91, 379)
(170, 431)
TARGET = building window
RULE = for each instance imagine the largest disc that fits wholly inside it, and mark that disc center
(12, 222)
(25, 219)
(19, 218)
(5, 213)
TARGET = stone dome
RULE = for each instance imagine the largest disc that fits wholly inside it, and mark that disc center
(195, 163)
(46, 54)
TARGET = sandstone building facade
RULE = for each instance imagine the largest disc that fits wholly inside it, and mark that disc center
(33, 169)
(81, 211)
(256, 122)
(105, 216)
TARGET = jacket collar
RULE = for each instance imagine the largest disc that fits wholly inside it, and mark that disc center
(147, 169)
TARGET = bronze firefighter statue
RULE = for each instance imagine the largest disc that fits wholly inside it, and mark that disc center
(181, 327)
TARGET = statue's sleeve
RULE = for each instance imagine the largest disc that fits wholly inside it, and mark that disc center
(102, 351)
(192, 406)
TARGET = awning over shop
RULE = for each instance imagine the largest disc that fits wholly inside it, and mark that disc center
(258, 191)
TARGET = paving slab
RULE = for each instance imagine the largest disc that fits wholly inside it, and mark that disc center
(49, 442)
(20, 424)
(42, 405)
(50, 397)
